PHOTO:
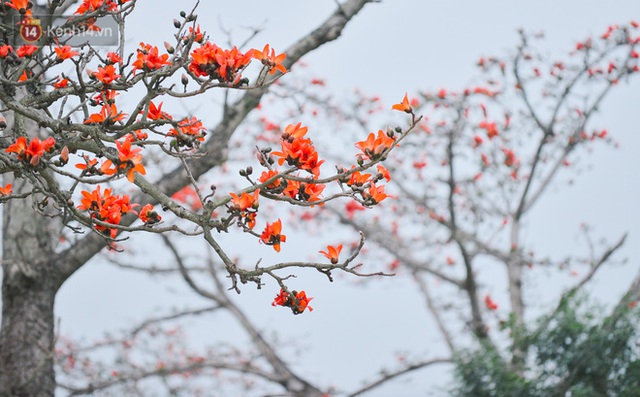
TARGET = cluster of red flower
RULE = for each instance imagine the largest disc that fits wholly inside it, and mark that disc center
(106, 208)
(297, 301)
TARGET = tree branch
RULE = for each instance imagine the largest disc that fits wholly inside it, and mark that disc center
(78, 254)
(387, 376)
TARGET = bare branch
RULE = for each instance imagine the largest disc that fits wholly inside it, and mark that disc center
(387, 376)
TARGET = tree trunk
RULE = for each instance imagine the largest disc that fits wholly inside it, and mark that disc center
(26, 338)
(30, 277)
(29, 284)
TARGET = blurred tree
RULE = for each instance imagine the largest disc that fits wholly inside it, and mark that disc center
(465, 186)
(576, 352)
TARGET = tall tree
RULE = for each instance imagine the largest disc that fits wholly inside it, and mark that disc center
(68, 139)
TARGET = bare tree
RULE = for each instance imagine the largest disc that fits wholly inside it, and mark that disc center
(466, 183)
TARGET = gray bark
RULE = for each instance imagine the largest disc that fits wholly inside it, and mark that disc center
(28, 292)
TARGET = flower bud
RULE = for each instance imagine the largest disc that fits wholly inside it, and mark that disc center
(64, 155)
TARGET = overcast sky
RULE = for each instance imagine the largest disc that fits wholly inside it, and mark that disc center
(391, 48)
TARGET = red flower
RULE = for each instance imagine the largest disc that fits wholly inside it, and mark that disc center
(403, 106)
(272, 235)
(266, 175)
(6, 190)
(148, 59)
(270, 60)
(382, 170)
(301, 302)
(510, 159)
(91, 200)
(188, 128)
(489, 303)
(311, 192)
(105, 96)
(5, 49)
(108, 115)
(358, 179)
(107, 168)
(351, 207)
(297, 301)
(247, 205)
(25, 75)
(196, 34)
(106, 75)
(491, 128)
(19, 147)
(33, 151)
(112, 57)
(245, 200)
(222, 65)
(129, 159)
(306, 192)
(156, 113)
(64, 52)
(19, 5)
(61, 83)
(332, 253)
(139, 135)
(485, 160)
(419, 164)
(26, 50)
(105, 207)
(375, 194)
(281, 298)
(88, 164)
(298, 151)
(148, 215)
(188, 195)
(295, 131)
(93, 5)
(373, 146)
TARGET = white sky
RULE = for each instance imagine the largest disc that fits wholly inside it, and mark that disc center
(389, 49)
